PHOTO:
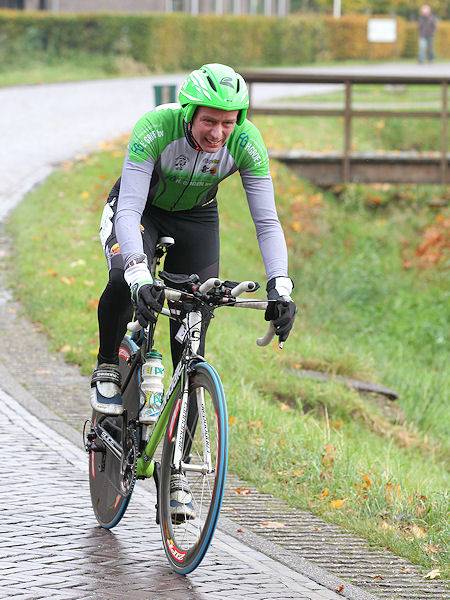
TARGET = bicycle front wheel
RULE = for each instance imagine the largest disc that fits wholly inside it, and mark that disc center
(189, 518)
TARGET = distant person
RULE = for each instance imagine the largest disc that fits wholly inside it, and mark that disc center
(427, 29)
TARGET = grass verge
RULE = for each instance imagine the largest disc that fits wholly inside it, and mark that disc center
(373, 290)
(76, 67)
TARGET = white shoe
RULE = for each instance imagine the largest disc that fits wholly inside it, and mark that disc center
(105, 390)
(181, 506)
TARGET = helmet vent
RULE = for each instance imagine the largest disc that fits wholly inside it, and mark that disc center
(211, 83)
(237, 86)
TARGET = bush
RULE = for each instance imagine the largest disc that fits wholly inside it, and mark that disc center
(169, 42)
(349, 39)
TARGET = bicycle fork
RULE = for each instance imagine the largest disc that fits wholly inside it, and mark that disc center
(181, 444)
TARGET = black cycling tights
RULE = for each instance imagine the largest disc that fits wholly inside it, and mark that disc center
(196, 250)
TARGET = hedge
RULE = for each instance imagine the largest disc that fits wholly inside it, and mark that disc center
(181, 41)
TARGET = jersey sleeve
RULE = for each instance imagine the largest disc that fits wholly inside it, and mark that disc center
(252, 160)
(250, 152)
(134, 186)
(148, 138)
(272, 245)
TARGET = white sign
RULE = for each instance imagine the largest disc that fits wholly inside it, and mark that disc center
(382, 30)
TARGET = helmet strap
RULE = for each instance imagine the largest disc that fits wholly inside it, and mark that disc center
(190, 138)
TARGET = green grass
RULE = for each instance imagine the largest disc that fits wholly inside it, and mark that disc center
(76, 67)
(370, 307)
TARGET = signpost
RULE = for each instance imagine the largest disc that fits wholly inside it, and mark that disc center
(382, 31)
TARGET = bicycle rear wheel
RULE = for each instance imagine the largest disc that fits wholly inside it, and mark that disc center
(112, 477)
(187, 540)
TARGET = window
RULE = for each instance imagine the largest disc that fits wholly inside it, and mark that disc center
(18, 4)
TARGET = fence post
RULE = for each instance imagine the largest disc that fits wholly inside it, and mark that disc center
(165, 93)
(347, 131)
(249, 112)
(444, 132)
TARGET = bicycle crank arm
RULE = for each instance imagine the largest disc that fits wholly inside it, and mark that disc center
(110, 443)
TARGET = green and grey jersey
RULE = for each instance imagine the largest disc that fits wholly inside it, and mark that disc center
(163, 169)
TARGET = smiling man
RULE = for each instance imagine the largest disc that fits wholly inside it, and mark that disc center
(177, 156)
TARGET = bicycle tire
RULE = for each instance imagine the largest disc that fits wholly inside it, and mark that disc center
(109, 496)
(184, 555)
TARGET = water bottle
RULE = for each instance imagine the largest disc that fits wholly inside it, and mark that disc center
(152, 388)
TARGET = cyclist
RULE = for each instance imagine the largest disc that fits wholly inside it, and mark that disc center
(177, 156)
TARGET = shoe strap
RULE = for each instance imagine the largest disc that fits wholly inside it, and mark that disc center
(106, 375)
(179, 483)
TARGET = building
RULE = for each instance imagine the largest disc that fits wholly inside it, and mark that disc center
(237, 7)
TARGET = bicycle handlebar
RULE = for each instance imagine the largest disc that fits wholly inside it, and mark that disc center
(245, 286)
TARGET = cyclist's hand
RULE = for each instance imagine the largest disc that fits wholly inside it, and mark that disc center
(147, 297)
(282, 310)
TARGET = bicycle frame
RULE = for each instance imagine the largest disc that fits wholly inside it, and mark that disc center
(180, 381)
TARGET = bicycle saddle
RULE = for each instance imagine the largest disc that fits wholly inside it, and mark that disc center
(179, 279)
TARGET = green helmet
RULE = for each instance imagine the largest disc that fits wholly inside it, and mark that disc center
(216, 86)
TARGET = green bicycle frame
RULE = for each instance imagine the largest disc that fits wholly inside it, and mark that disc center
(145, 464)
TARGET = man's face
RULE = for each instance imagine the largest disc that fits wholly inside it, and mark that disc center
(212, 127)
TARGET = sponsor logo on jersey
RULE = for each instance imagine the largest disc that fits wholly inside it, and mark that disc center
(243, 139)
(151, 137)
(115, 249)
(256, 156)
(209, 166)
(180, 162)
(137, 148)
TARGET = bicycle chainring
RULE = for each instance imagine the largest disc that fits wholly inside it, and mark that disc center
(128, 463)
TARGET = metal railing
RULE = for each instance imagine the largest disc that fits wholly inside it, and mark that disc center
(349, 112)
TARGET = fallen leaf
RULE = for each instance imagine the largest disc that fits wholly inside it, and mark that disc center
(340, 588)
(367, 482)
(52, 272)
(418, 532)
(324, 493)
(328, 455)
(88, 283)
(432, 549)
(298, 472)
(231, 420)
(240, 530)
(378, 577)
(337, 504)
(67, 280)
(255, 424)
(285, 407)
(78, 263)
(93, 303)
(272, 524)
(84, 195)
(66, 348)
(434, 574)
(242, 491)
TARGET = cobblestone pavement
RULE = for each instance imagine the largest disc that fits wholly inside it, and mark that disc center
(45, 376)
(51, 547)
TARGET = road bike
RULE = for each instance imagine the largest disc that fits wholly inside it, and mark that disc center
(192, 423)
